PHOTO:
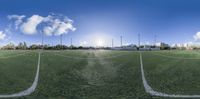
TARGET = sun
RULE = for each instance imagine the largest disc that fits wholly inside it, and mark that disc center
(99, 42)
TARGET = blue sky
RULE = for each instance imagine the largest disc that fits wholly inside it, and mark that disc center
(99, 21)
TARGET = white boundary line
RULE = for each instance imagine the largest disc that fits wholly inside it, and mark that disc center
(31, 89)
(152, 92)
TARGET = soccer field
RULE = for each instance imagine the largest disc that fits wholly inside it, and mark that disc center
(99, 74)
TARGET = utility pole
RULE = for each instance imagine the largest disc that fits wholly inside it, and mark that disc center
(139, 40)
(121, 40)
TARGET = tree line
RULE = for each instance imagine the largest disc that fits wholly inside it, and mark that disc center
(24, 46)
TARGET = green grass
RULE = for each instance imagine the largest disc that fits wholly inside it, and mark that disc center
(63, 77)
(173, 76)
(17, 73)
(70, 78)
(76, 75)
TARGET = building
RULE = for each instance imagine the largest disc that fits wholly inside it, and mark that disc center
(162, 45)
(132, 47)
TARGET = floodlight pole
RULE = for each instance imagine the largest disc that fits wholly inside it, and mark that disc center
(42, 40)
(112, 43)
(121, 40)
(61, 41)
(71, 42)
(155, 37)
(139, 40)
(52, 44)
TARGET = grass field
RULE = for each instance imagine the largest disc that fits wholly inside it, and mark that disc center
(90, 74)
(173, 72)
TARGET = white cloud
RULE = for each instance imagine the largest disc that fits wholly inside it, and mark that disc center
(83, 43)
(48, 30)
(18, 19)
(2, 35)
(30, 26)
(197, 36)
(10, 17)
(57, 26)
(51, 25)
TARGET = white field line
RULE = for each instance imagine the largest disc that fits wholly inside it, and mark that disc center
(90, 58)
(167, 56)
(20, 54)
(152, 92)
(31, 89)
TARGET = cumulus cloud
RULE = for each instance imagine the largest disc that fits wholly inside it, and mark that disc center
(17, 18)
(58, 26)
(197, 36)
(30, 26)
(2, 35)
(126, 44)
(49, 25)
(83, 43)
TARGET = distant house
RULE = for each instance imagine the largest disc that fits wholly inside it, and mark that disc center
(155, 48)
(145, 48)
(185, 46)
(162, 45)
(9, 46)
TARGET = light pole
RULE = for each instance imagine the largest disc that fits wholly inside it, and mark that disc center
(71, 42)
(112, 43)
(139, 40)
(42, 40)
(155, 37)
(61, 41)
(121, 40)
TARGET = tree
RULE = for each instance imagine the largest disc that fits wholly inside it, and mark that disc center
(9, 46)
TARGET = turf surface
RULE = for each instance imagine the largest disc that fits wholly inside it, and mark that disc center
(171, 75)
(90, 74)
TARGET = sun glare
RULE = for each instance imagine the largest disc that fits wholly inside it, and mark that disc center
(99, 43)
